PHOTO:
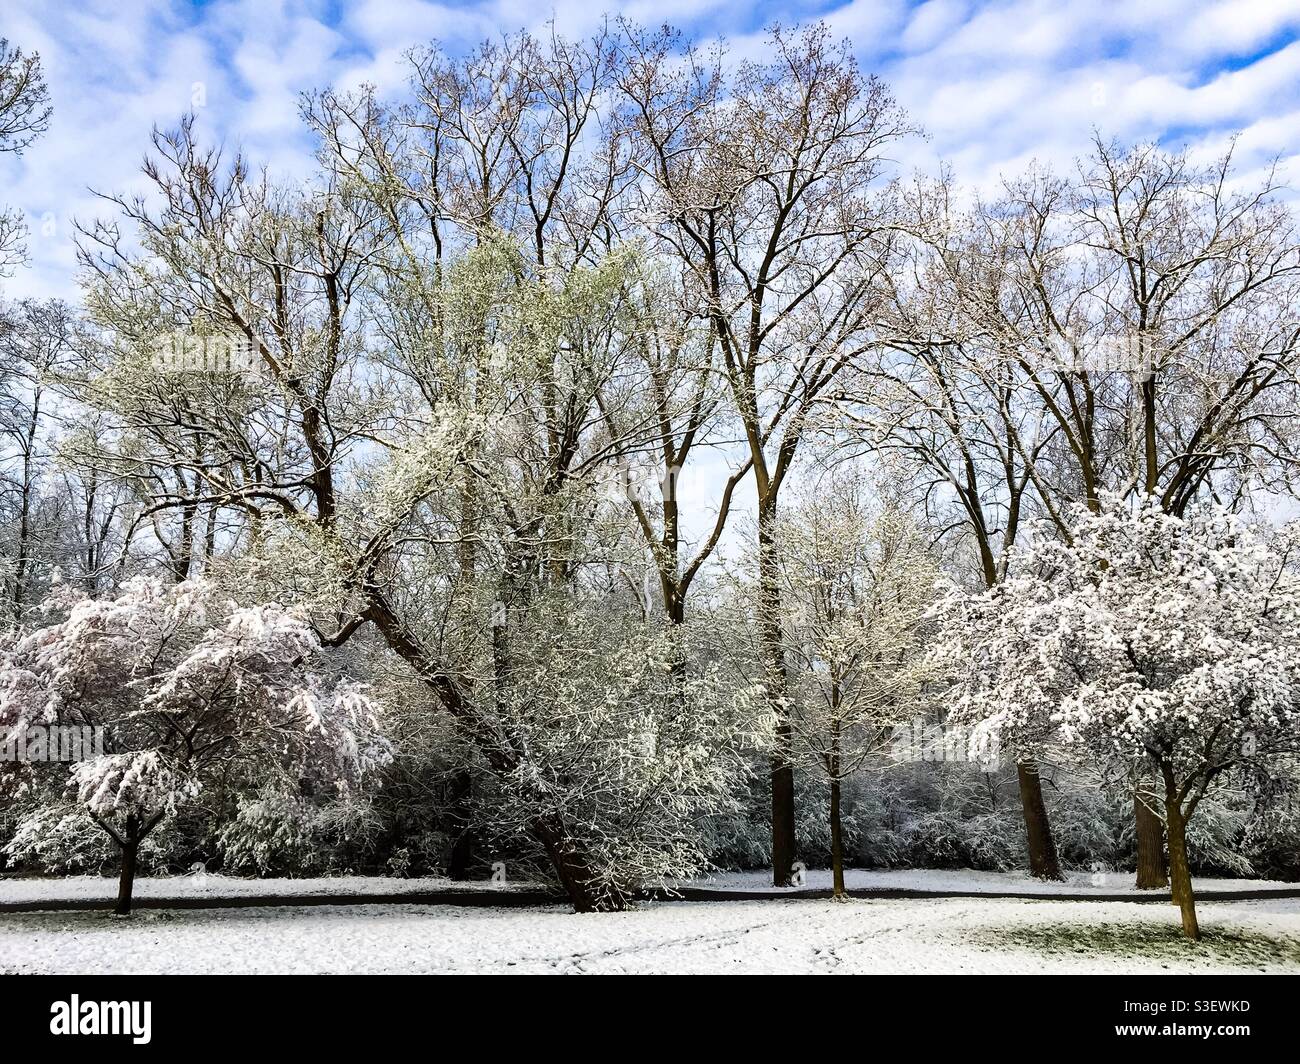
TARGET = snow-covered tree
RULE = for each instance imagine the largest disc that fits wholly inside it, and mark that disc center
(185, 688)
(1161, 647)
(608, 735)
(786, 268)
(856, 581)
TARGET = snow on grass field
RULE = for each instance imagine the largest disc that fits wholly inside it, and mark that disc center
(968, 881)
(102, 889)
(893, 936)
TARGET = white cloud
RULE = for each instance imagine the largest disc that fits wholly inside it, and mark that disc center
(996, 83)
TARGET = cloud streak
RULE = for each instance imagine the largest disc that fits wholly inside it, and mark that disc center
(993, 84)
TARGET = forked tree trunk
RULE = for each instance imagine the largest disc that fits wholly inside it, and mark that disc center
(1043, 862)
(1150, 838)
(1180, 875)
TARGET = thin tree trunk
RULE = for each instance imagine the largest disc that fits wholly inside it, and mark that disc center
(773, 650)
(1179, 872)
(833, 762)
(22, 560)
(1043, 862)
(837, 841)
(837, 822)
(1150, 837)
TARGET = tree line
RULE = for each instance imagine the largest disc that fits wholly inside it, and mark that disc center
(620, 412)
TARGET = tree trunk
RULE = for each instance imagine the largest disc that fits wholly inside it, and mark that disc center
(1179, 873)
(574, 874)
(833, 769)
(837, 842)
(126, 881)
(773, 650)
(462, 850)
(783, 840)
(1043, 862)
(1150, 836)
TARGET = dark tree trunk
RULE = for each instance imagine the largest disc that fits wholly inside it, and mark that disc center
(837, 841)
(783, 840)
(773, 650)
(462, 850)
(126, 881)
(1149, 834)
(573, 871)
(1043, 862)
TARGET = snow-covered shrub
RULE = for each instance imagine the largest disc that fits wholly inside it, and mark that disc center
(622, 744)
(190, 692)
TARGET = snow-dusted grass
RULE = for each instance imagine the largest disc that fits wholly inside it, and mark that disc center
(913, 935)
(103, 889)
(966, 880)
(97, 890)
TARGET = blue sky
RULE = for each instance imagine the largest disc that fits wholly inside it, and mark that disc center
(994, 84)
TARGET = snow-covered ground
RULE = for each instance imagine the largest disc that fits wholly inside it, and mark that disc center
(96, 890)
(878, 935)
(981, 934)
(103, 889)
(965, 880)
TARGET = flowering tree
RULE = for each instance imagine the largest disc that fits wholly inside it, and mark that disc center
(1161, 646)
(185, 687)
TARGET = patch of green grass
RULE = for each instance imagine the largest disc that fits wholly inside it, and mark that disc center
(1154, 941)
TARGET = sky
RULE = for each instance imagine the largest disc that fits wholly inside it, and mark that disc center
(994, 84)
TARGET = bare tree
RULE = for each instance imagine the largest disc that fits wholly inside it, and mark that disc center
(763, 181)
(24, 115)
(857, 579)
(36, 346)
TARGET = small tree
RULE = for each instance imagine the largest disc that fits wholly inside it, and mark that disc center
(1161, 646)
(857, 581)
(184, 688)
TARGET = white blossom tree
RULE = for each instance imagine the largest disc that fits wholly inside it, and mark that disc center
(608, 733)
(185, 687)
(1159, 646)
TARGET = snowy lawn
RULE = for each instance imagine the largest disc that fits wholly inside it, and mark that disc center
(966, 880)
(101, 890)
(925, 935)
